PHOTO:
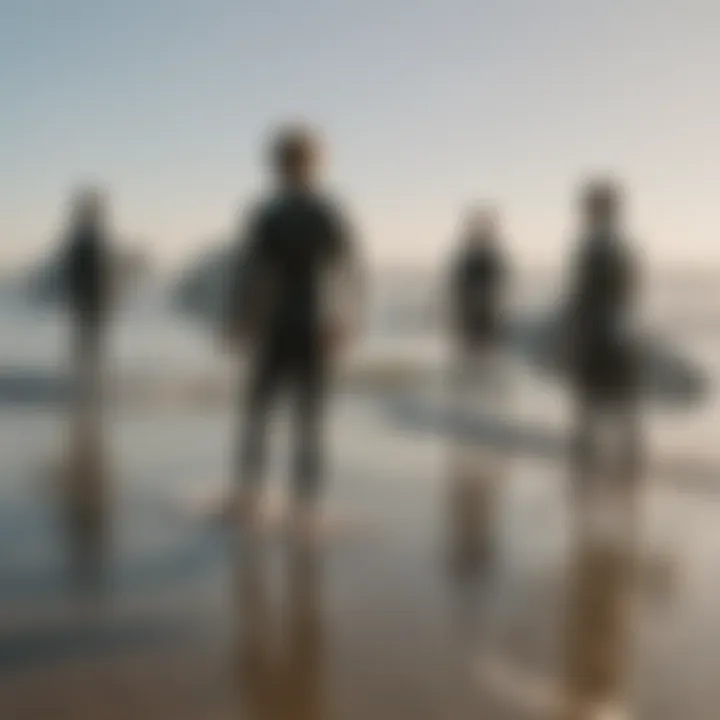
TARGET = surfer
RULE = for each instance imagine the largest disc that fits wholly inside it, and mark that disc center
(601, 342)
(296, 252)
(87, 277)
(87, 280)
(478, 277)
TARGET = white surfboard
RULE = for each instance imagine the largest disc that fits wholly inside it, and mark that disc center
(667, 376)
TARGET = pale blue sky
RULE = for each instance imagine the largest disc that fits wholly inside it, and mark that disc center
(427, 104)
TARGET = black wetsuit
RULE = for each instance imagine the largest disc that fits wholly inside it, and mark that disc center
(86, 274)
(87, 277)
(87, 284)
(478, 278)
(291, 244)
(605, 362)
(604, 357)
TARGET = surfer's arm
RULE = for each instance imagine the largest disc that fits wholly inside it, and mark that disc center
(244, 263)
(503, 280)
(633, 292)
(570, 318)
(347, 281)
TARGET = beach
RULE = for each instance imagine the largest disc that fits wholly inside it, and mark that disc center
(191, 619)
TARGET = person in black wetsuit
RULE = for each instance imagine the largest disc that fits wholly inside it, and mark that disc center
(603, 355)
(477, 285)
(86, 270)
(294, 245)
(478, 278)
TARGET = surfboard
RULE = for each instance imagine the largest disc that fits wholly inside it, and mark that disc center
(428, 413)
(667, 376)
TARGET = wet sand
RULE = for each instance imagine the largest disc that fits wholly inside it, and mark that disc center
(409, 611)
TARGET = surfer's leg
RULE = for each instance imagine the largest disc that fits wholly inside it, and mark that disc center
(307, 465)
(80, 364)
(310, 385)
(497, 386)
(85, 416)
(630, 466)
(264, 380)
(93, 380)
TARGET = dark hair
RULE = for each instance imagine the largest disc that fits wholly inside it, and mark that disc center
(88, 204)
(294, 149)
(601, 197)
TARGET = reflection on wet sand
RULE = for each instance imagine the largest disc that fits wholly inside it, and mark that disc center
(85, 492)
(475, 473)
(472, 499)
(599, 622)
(86, 519)
(283, 681)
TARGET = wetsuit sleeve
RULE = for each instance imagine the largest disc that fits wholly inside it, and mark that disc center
(580, 281)
(631, 279)
(629, 291)
(347, 275)
(503, 272)
(246, 258)
(71, 262)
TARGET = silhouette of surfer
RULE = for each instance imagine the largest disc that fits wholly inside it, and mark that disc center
(478, 279)
(602, 342)
(87, 279)
(297, 255)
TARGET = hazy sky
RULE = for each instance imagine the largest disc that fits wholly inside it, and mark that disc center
(427, 105)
